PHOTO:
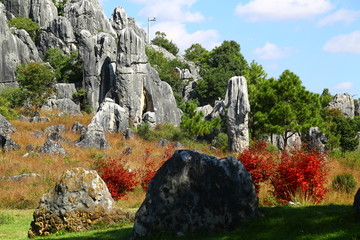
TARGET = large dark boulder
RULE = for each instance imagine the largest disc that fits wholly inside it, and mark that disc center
(196, 192)
(356, 204)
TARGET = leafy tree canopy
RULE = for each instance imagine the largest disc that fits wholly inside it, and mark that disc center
(24, 23)
(196, 53)
(37, 80)
(161, 41)
(68, 67)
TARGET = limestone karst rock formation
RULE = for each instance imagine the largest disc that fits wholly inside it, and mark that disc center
(79, 200)
(112, 52)
(238, 107)
(345, 103)
(196, 192)
(357, 108)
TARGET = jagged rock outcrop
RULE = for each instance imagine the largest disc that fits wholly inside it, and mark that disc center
(62, 100)
(293, 142)
(238, 107)
(357, 108)
(78, 127)
(139, 87)
(52, 147)
(195, 192)
(56, 128)
(79, 200)
(150, 118)
(6, 143)
(40, 11)
(15, 48)
(5, 126)
(189, 91)
(111, 117)
(345, 103)
(94, 137)
(206, 110)
(317, 139)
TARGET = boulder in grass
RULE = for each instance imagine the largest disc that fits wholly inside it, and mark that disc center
(195, 192)
(79, 200)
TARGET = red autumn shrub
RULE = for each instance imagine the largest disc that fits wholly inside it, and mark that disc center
(151, 168)
(300, 172)
(118, 179)
(290, 173)
(259, 161)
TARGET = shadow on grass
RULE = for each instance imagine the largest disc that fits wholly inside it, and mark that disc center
(280, 223)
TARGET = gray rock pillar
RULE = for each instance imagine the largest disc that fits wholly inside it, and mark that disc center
(238, 107)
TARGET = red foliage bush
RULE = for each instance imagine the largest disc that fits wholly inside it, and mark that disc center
(151, 168)
(290, 173)
(300, 172)
(118, 179)
(259, 161)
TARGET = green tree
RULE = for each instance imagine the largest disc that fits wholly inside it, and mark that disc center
(258, 84)
(161, 41)
(193, 124)
(37, 80)
(292, 109)
(68, 67)
(15, 96)
(222, 63)
(60, 5)
(25, 23)
(196, 53)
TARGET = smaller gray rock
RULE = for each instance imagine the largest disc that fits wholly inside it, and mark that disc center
(7, 144)
(5, 126)
(21, 176)
(65, 105)
(317, 139)
(39, 119)
(94, 137)
(55, 136)
(30, 147)
(56, 128)
(357, 108)
(127, 151)
(206, 110)
(129, 134)
(79, 128)
(150, 118)
(163, 142)
(52, 147)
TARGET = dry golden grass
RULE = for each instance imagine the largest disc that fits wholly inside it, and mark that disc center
(26, 193)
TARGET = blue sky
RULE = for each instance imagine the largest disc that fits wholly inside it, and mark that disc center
(319, 40)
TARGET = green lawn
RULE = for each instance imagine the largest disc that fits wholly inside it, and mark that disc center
(287, 223)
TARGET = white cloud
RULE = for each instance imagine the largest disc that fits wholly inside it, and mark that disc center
(347, 43)
(271, 51)
(178, 34)
(270, 10)
(171, 10)
(343, 86)
(342, 15)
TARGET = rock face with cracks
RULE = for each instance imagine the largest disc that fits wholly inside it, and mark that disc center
(238, 108)
(79, 199)
(196, 192)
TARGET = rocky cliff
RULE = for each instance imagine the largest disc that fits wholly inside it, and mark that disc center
(112, 50)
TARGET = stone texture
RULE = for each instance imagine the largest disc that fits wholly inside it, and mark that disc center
(94, 137)
(78, 127)
(65, 105)
(52, 147)
(5, 126)
(195, 192)
(294, 142)
(128, 134)
(357, 108)
(150, 118)
(56, 128)
(14, 48)
(189, 92)
(317, 139)
(43, 11)
(7, 144)
(111, 117)
(238, 107)
(345, 103)
(79, 200)
(206, 110)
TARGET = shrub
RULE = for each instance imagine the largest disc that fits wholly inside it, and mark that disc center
(145, 131)
(302, 173)
(6, 110)
(25, 23)
(259, 161)
(68, 67)
(221, 141)
(118, 179)
(344, 182)
(36, 80)
(15, 96)
(161, 41)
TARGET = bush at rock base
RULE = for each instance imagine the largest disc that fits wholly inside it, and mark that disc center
(290, 173)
